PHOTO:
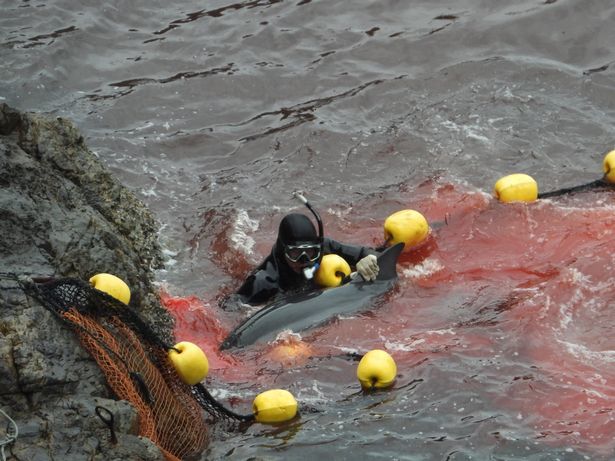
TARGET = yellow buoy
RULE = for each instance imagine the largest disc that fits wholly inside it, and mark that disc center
(190, 362)
(333, 268)
(407, 226)
(112, 285)
(274, 406)
(609, 167)
(516, 187)
(376, 370)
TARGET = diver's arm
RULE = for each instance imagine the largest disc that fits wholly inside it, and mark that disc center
(260, 286)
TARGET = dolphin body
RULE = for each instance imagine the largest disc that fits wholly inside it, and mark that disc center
(307, 310)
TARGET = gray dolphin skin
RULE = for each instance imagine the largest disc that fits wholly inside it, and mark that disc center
(308, 310)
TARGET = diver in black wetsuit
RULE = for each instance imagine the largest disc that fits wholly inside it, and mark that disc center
(294, 258)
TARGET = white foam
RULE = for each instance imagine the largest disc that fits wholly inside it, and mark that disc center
(416, 341)
(578, 277)
(345, 317)
(345, 349)
(583, 352)
(340, 213)
(452, 126)
(169, 253)
(470, 133)
(239, 237)
(149, 192)
(287, 335)
(170, 262)
(582, 283)
(428, 267)
(229, 393)
(447, 331)
(410, 347)
(312, 394)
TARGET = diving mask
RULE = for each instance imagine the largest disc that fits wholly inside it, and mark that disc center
(308, 252)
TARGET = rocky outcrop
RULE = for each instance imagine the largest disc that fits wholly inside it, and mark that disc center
(62, 214)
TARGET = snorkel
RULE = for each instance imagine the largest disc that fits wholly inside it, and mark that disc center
(308, 272)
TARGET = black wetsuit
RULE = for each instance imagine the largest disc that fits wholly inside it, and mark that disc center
(274, 276)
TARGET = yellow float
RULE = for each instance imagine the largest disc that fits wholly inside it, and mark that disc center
(407, 226)
(516, 187)
(112, 285)
(332, 271)
(190, 362)
(609, 167)
(274, 406)
(376, 370)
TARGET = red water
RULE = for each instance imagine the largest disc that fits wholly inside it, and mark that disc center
(522, 291)
(206, 108)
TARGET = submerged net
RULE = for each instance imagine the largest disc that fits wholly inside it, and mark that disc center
(135, 363)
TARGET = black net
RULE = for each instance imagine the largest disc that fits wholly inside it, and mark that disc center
(109, 328)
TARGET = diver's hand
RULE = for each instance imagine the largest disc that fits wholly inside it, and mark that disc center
(368, 268)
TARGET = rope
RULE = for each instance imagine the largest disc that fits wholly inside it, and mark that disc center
(598, 184)
(12, 431)
(207, 401)
(106, 416)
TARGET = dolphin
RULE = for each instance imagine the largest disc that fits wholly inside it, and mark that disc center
(307, 310)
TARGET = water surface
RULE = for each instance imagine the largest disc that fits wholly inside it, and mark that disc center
(213, 113)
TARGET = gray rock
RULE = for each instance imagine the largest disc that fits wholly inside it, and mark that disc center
(62, 214)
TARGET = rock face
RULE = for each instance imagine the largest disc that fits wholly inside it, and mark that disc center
(63, 215)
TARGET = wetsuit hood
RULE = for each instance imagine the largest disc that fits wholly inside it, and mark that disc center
(297, 228)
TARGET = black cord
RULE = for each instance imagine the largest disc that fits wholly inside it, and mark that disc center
(106, 416)
(598, 184)
(206, 398)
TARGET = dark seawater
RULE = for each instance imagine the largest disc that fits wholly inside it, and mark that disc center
(213, 113)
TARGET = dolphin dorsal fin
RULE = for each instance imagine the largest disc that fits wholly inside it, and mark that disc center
(387, 262)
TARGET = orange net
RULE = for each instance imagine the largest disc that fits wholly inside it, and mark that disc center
(168, 413)
(134, 360)
(135, 363)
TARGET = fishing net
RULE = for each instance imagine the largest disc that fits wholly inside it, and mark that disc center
(136, 366)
